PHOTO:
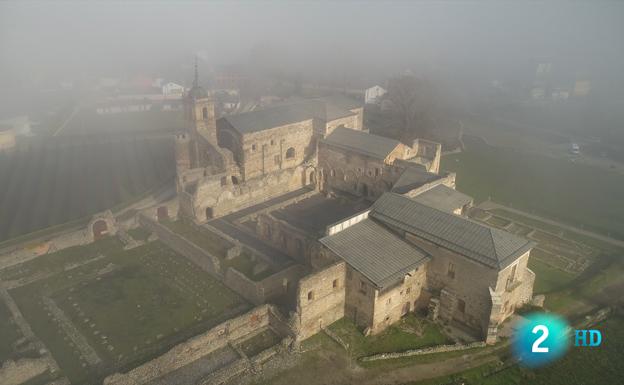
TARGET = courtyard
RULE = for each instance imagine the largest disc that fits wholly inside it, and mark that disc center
(101, 309)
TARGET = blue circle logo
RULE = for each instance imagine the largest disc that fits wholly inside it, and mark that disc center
(540, 339)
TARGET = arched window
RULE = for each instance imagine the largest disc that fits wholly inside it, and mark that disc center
(290, 153)
(205, 113)
(234, 180)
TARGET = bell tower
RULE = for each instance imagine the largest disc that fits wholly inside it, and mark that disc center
(199, 111)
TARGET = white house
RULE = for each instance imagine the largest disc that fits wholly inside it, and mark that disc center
(172, 91)
(373, 94)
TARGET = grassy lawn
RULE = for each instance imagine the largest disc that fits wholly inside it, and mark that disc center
(130, 305)
(548, 278)
(396, 338)
(218, 247)
(580, 366)
(259, 342)
(203, 238)
(9, 333)
(553, 188)
(139, 233)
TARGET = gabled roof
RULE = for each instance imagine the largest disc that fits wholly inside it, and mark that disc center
(376, 252)
(492, 247)
(414, 176)
(443, 198)
(275, 116)
(362, 142)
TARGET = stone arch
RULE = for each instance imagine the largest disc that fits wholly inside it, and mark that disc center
(100, 229)
(102, 225)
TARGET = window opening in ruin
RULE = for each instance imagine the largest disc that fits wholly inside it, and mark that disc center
(461, 306)
(451, 270)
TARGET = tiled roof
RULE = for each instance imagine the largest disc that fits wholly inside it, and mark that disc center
(492, 247)
(443, 198)
(362, 142)
(376, 252)
(414, 176)
(288, 113)
(275, 116)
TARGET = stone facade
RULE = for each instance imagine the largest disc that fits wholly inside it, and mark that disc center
(320, 300)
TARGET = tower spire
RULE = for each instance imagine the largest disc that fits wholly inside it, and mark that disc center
(196, 80)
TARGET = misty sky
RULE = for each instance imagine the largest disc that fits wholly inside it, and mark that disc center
(58, 39)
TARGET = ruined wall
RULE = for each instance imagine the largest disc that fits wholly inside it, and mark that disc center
(199, 346)
(290, 240)
(359, 298)
(279, 288)
(352, 121)
(469, 283)
(515, 293)
(267, 151)
(179, 244)
(320, 300)
(354, 173)
(393, 303)
(226, 199)
(359, 120)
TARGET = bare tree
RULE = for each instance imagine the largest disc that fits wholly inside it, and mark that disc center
(411, 102)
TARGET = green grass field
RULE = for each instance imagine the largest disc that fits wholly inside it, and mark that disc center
(554, 188)
(45, 182)
(129, 305)
(218, 247)
(397, 338)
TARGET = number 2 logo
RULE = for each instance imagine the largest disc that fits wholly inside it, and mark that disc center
(536, 348)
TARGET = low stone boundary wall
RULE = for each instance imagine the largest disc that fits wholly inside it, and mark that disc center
(336, 338)
(424, 351)
(200, 346)
(194, 253)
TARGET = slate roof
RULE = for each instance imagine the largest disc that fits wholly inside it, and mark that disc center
(362, 142)
(492, 247)
(443, 198)
(274, 116)
(413, 177)
(376, 252)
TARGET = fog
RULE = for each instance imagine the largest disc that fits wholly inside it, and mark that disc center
(364, 42)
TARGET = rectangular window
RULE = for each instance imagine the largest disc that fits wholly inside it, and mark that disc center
(362, 287)
(310, 295)
(461, 306)
(451, 270)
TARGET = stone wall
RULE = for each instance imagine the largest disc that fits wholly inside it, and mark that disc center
(393, 303)
(424, 351)
(469, 283)
(320, 300)
(277, 288)
(179, 244)
(200, 346)
(352, 121)
(267, 151)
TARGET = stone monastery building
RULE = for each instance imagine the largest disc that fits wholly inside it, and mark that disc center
(376, 229)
